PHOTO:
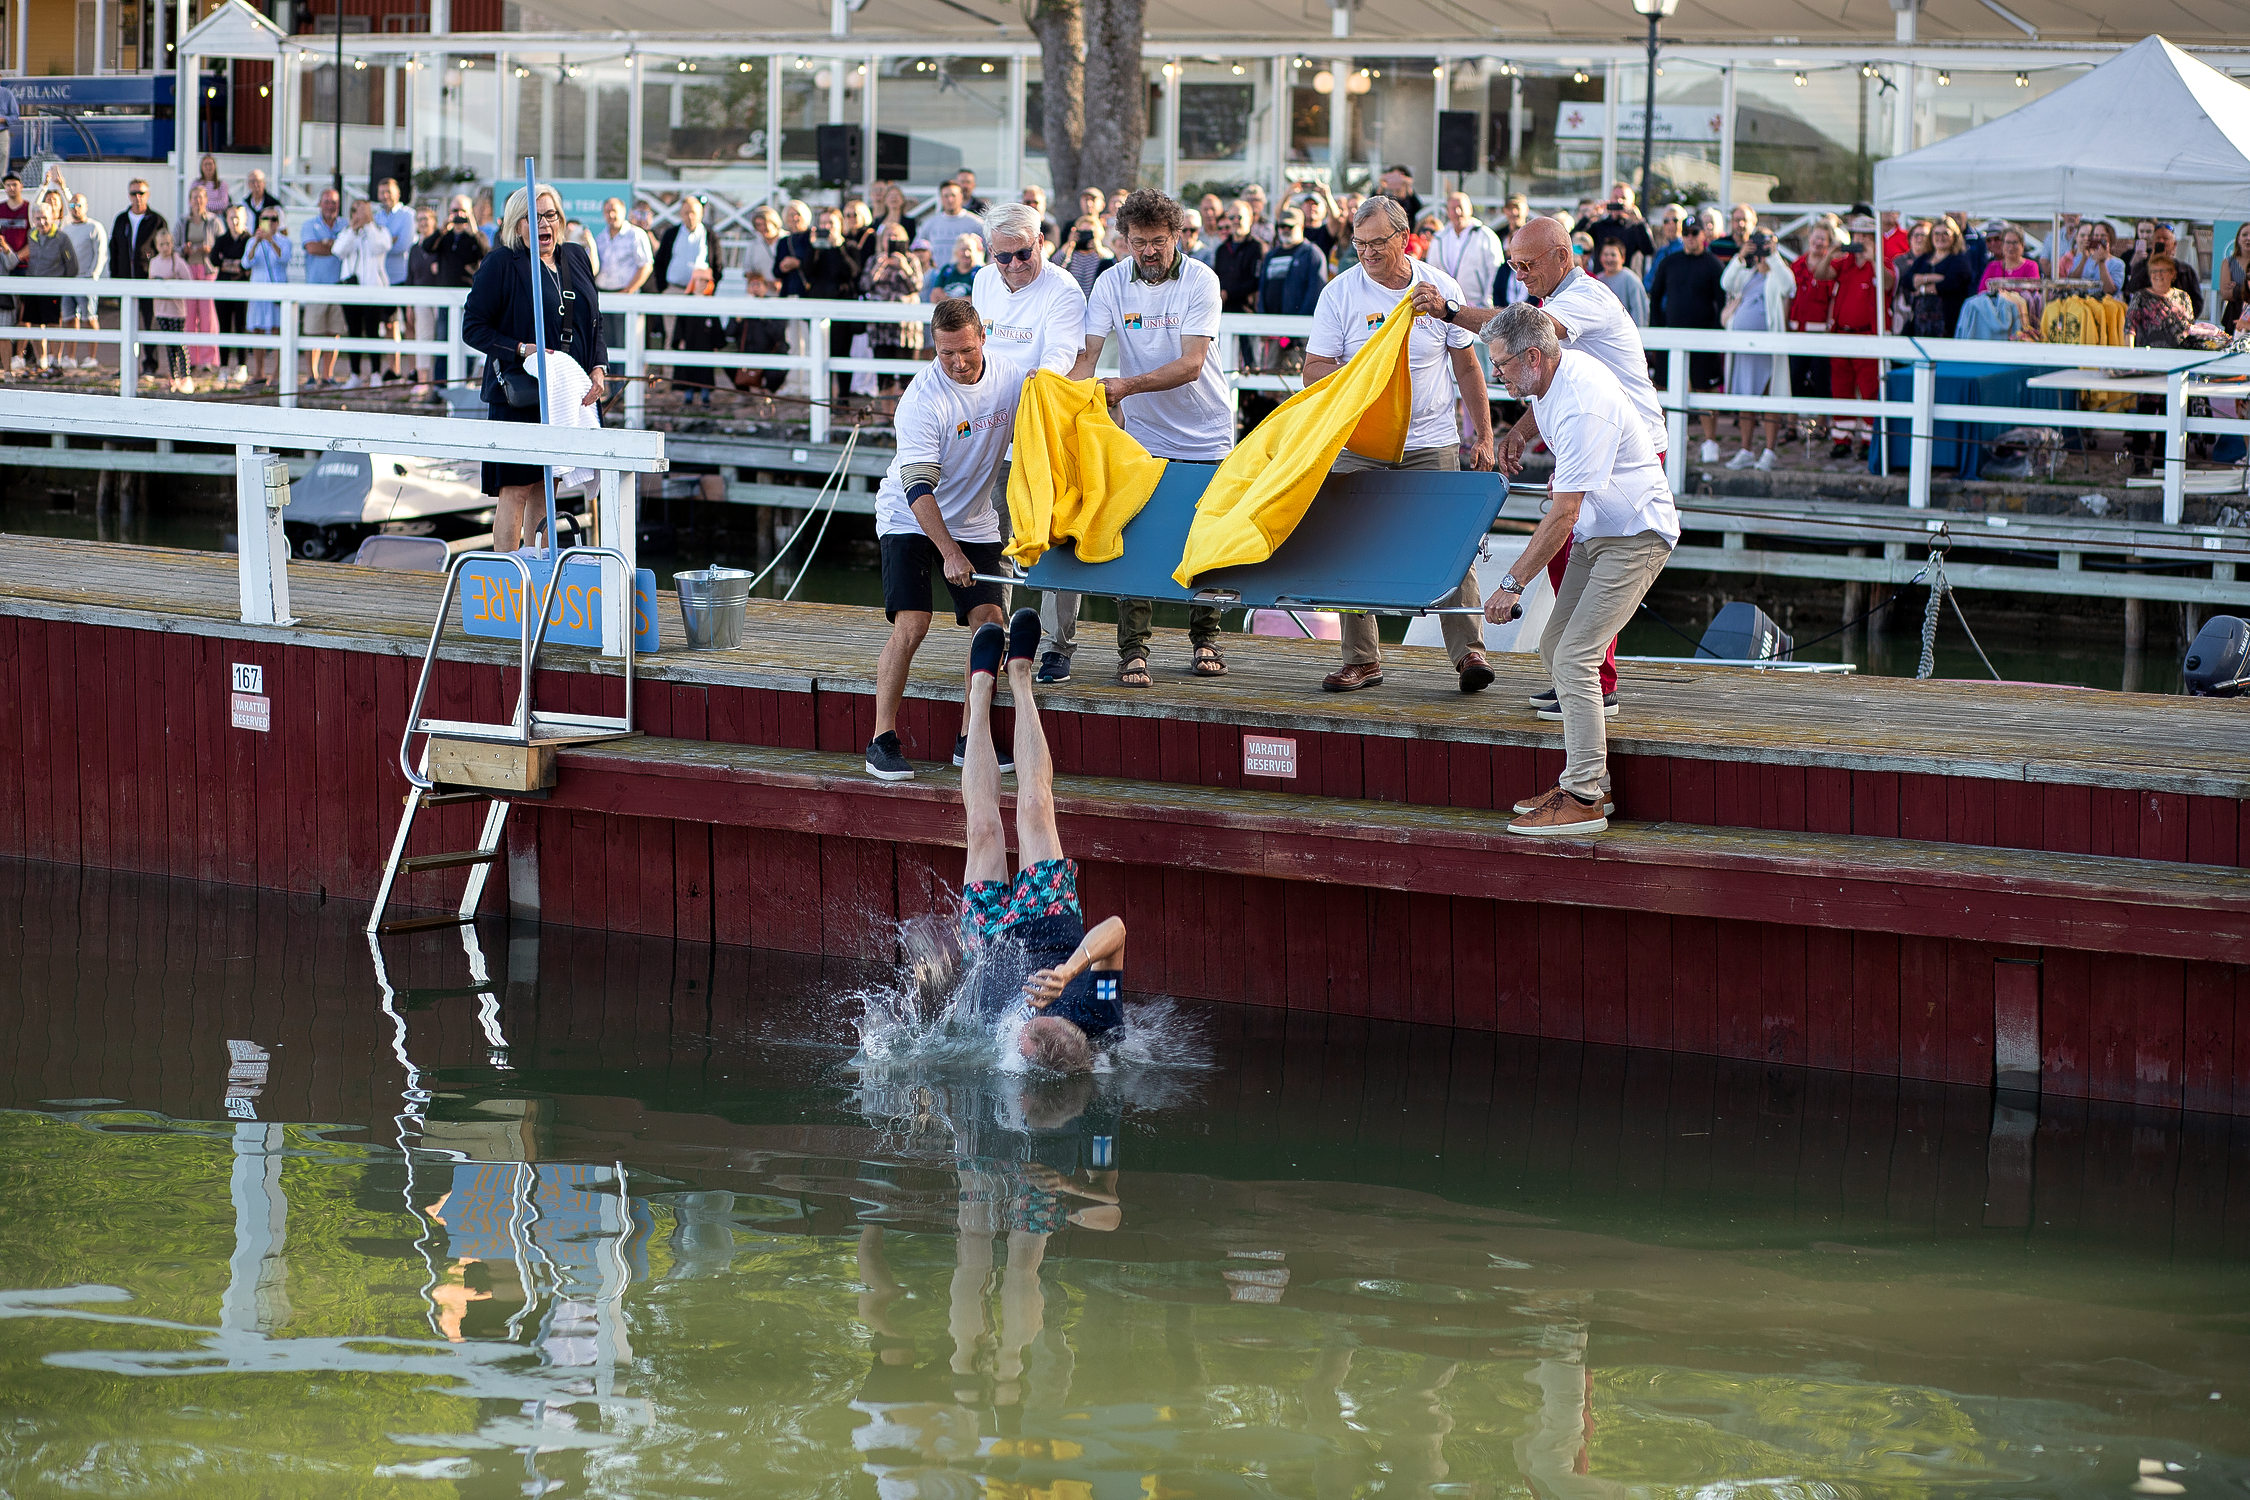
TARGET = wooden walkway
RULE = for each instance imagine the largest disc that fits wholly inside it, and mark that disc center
(2004, 732)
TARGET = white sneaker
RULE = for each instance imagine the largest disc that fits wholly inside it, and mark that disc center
(1710, 451)
(1767, 459)
(1741, 460)
(242, 376)
(351, 383)
(186, 387)
(16, 366)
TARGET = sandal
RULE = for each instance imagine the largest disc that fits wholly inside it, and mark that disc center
(1209, 662)
(1133, 672)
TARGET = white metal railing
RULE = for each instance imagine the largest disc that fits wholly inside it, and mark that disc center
(814, 318)
(256, 432)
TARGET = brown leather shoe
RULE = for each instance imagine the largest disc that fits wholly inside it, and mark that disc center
(1350, 679)
(1531, 804)
(1476, 672)
(1559, 814)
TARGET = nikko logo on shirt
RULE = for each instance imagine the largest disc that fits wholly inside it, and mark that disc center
(995, 331)
(1375, 321)
(1135, 322)
(1132, 322)
(979, 424)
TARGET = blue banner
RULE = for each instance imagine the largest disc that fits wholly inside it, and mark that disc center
(492, 602)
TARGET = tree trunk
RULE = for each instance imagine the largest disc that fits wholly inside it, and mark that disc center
(1116, 100)
(1061, 28)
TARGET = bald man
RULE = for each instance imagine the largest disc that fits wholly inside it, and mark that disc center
(1589, 318)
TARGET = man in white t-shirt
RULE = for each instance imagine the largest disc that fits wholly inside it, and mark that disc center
(1588, 318)
(1034, 314)
(934, 509)
(1608, 494)
(1443, 363)
(1162, 307)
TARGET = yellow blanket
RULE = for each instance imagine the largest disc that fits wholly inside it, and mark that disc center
(1078, 476)
(1266, 485)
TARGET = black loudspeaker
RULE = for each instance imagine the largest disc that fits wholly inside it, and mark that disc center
(1457, 141)
(841, 151)
(396, 165)
(893, 156)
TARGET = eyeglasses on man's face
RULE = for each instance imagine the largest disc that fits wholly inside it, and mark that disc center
(1366, 246)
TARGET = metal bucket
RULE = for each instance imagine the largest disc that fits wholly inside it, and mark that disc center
(712, 603)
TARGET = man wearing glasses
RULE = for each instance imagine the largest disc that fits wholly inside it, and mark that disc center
(1587, 317)
(1608, 492)
(1443, 363)
(132, 245)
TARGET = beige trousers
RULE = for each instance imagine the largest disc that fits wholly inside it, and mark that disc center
(1604, 584)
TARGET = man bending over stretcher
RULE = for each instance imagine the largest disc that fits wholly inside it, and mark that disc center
(1076, 974)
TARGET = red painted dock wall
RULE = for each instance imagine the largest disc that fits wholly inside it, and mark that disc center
(121, 755)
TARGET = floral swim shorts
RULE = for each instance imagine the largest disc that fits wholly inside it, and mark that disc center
(1046, 889)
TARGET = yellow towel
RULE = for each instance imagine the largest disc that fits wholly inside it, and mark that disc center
(1078, 476)
(1267, 484)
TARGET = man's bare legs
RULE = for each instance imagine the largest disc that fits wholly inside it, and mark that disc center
(1036, 838)
(980, 784)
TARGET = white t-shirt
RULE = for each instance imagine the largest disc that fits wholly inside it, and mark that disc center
(964, 430)
(1600, 326)
(1602, 450)
(1041, 327)
(1351, 311)
(1148, 319)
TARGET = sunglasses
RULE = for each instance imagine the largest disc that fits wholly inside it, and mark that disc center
(1009, 257)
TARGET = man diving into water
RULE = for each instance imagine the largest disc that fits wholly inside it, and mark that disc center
(1076, 974)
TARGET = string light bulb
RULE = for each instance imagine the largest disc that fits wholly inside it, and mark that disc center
(1943, 79)
(1579, 76)
(2023, 80)
(985, 68)
(1797, 79)
(1324, 82)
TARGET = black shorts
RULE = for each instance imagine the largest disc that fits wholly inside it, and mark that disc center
(909, 560)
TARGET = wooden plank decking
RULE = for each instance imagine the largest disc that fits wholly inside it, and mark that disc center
(2003, 732)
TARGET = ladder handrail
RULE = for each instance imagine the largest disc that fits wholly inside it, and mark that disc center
(534, 640)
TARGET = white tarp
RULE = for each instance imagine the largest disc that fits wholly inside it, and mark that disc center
(2150, 132)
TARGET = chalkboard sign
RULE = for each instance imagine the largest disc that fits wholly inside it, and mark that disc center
(1215, 120)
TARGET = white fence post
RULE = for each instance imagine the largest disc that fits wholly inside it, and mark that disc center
(1676, 419)
(290, 327)
(1925, 435)
(636, 369)
(615, 526)
(816, 346)
(2175, 446)
(128, 347)
(261, 546)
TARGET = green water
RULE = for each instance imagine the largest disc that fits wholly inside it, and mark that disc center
(583, 1215)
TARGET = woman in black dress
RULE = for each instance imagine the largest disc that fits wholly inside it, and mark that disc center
(496, 319)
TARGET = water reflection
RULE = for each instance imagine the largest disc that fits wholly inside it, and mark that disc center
(606, 1216)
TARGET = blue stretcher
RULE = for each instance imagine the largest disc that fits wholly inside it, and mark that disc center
(1378, 542)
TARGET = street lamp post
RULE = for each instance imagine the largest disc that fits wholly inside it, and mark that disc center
(1656, 11)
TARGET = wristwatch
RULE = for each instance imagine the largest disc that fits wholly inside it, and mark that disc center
(1508, 584)
(1452, 306)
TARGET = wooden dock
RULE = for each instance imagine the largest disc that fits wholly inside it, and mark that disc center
(1934, 880)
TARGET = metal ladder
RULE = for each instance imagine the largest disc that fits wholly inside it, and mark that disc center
(527, 728)
(479, 861)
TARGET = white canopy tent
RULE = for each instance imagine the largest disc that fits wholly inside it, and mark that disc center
(2185, 153)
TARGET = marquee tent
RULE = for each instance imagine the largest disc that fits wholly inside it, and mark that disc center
(2151, 131)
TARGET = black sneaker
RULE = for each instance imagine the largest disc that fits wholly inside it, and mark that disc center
(985, 648)
(884, 760)
(1053, 667)
(1006, 755)
(1552, 710)
(1023, 635)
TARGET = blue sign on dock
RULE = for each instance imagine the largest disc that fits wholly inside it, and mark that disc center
(492, 602)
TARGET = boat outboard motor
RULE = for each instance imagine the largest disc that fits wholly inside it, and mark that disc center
(1743, 632)
(2218, 662)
